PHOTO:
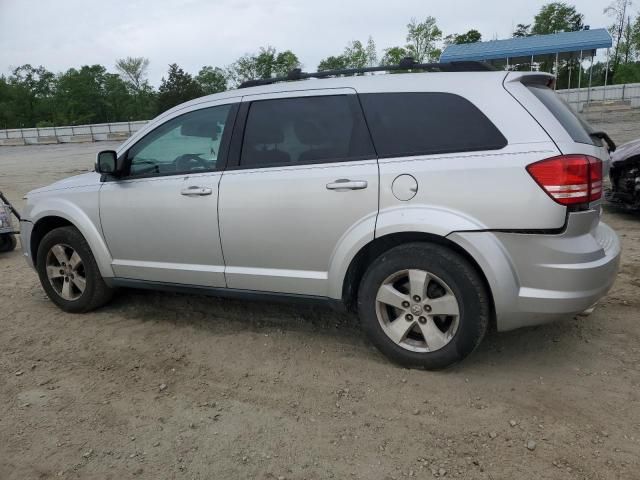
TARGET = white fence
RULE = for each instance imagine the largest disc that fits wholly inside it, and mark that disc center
(70, 134)
(579, 97)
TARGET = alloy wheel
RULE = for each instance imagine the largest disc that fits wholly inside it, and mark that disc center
(65, 271)
(417, 310)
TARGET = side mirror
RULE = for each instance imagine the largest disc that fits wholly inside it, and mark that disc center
(107, 162)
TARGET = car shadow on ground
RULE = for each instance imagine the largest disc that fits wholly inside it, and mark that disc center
(220, 316)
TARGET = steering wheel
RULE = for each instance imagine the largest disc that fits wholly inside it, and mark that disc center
(189, 161)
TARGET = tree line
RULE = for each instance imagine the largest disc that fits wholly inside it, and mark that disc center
(34, 96)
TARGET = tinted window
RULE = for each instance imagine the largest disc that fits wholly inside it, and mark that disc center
(305, 130)
(575, 126)
(405, 124)
(188, 143)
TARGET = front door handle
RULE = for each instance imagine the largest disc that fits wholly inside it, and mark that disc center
(344, 184)
(195, 191)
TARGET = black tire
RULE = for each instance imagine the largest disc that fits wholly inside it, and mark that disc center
(96, 293)
(462, 279)
(8, 242)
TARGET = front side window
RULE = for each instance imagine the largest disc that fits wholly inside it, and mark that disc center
(425, 123)
(188, 143)
(291, 131)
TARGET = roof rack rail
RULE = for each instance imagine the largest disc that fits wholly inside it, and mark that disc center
(407, 63)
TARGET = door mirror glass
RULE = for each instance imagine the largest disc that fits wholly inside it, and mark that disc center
(107, 162)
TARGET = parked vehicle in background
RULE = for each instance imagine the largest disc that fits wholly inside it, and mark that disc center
(625, 176)
(433, 204)
(7, 231)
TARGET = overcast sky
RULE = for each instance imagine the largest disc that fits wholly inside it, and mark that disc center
(68, 33)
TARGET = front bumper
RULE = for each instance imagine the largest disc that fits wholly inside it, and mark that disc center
(537, 278)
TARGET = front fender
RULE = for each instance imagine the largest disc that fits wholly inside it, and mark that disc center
(81, 219)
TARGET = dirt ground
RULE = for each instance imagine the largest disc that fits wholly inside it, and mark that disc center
(160, 385)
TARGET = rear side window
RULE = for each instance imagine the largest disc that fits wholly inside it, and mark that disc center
(303, 130)
(404, 124)
(575, 126)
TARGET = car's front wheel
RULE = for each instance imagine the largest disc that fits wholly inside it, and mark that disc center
(68, 271)
(423, 305)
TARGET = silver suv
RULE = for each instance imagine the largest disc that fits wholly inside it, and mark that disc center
(433, 204)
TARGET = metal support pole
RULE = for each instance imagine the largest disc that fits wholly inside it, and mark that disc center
(555, 84)
(507, 63)
(589, 88)
(532, 63)
(606, 77)
(580, 72)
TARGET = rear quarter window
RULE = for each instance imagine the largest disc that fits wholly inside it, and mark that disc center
(405, 124)
(577, 128)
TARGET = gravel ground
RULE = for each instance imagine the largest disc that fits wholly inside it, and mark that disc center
(160, 385)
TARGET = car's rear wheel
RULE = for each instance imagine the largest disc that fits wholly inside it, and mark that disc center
(68, 271)
(423, 305)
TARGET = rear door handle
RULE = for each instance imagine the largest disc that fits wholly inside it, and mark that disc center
(195, 191)
(344, 184)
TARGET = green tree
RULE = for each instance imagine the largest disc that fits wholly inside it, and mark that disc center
(32, 89)
(522, 30)
(80, 96)
(133, 70)
(212, 80)
(338, 62)
(422, 38)
(557, 17)
(618, 9)
(393, 55)
(471, 36)
(628, 73)
(355, 55)
(176, 88)
(267, 63)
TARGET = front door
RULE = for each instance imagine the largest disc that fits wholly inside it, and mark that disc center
(305, 175)
(160, 221)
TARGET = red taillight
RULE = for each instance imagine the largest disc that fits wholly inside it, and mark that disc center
(569, 179)
(595, 177)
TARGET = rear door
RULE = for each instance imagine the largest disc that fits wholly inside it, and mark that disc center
(302, 173)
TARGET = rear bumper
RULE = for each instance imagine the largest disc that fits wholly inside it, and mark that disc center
(538, 278)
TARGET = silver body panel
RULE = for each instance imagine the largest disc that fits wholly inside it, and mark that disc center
(167, 237)
(281, 229)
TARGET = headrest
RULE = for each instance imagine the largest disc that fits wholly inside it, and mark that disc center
(200, 127)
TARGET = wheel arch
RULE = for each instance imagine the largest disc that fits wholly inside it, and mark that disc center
(379, 245)
(49, 220)
(40, 229)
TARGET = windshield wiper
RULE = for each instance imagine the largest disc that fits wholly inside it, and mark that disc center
(604, 136)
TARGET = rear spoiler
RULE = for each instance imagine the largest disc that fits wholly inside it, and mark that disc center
(531, 78)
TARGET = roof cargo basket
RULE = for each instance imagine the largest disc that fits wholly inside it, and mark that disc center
(407, 63)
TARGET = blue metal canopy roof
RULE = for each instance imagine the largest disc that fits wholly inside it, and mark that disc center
(562, 42)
